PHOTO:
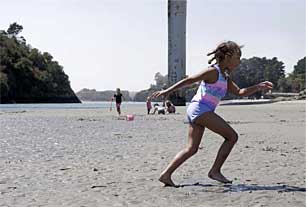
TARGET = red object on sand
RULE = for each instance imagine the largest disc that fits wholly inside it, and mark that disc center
(130, 117)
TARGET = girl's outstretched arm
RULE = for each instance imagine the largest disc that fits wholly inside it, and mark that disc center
(208, 75)
(234, 89)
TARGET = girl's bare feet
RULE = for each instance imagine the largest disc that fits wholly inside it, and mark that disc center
(218, 177)
(166, 179)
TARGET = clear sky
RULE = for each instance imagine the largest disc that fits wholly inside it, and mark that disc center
(105, 44)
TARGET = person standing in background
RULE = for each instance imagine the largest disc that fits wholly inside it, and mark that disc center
(149, 104)
(118, 98)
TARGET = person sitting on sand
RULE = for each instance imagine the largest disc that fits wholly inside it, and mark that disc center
(159, 109)
(215, 82)
(170, 108)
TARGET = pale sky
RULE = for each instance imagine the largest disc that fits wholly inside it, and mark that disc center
(105, 44)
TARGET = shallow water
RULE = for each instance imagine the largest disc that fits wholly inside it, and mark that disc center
(84, 105)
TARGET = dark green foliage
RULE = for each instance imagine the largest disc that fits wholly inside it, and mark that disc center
(14, 29)
(295, 82)
(255, 70)
(27, 76)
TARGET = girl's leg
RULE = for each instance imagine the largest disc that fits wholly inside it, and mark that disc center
(118, 109)
(195, 134)
(216, 124)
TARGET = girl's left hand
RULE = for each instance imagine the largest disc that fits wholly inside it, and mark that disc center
(265, 85)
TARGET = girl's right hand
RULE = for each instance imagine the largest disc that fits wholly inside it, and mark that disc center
(159, 93)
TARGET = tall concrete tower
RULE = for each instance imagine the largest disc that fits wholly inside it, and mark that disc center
(177, 47)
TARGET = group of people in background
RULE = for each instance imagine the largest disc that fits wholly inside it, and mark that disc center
(167, 106)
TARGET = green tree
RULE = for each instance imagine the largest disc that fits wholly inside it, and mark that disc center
(27, 75)
(297, 78)
(254, 70)
(14, 29)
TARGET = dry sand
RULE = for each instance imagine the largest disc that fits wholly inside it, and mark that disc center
(83, 157)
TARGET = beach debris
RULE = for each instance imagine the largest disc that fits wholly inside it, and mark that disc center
(95, 169)
(16, 112)
(239, 122)
(270, 149)
(83, 119)
(130, 117)
(66, 168)
(121, 118)
(99, 186)
(282, 120)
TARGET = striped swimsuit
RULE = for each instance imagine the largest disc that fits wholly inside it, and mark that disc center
(207, 97)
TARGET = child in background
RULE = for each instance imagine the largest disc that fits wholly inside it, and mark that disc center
(159, 109)
(215, 82)
(170, 108)
(149, 105)
(118, 97)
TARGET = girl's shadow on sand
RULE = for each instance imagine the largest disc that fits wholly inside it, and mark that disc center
(245, 187)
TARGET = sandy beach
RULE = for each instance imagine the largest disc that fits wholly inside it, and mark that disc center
(89, 157)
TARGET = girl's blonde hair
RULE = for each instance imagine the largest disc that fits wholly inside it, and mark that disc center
(225, 48)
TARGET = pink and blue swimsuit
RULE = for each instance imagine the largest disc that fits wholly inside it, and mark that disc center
(207, 97)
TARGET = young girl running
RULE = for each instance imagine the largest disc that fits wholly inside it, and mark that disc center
(215, 82)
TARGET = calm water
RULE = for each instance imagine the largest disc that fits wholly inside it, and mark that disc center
(105, 104)
(84, 105)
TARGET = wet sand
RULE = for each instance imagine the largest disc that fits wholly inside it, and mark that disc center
(89, 157)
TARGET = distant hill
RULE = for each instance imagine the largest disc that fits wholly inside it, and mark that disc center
(29, 76)
(93, 95)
